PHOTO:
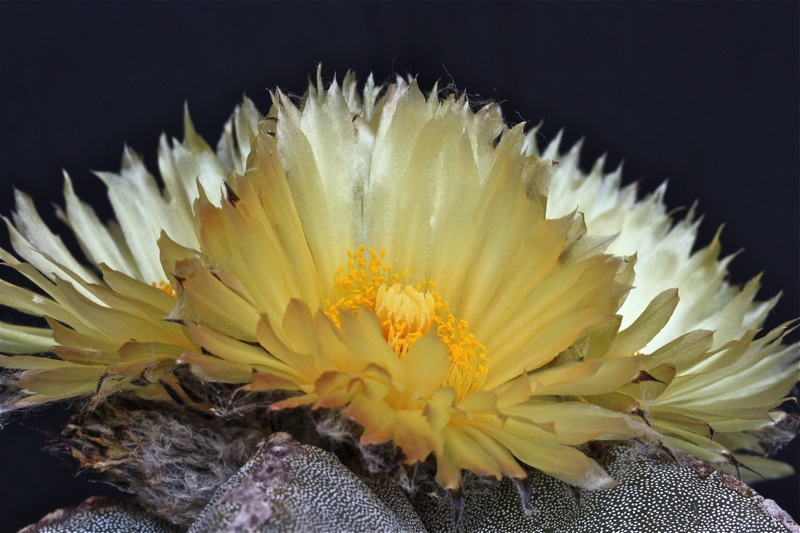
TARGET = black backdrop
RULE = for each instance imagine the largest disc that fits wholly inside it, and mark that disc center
(704, 94)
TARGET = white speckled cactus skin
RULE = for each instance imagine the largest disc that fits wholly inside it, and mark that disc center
(99, 515)
(652, 496)
(288, 487)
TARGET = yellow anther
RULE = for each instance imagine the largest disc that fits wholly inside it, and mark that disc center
(166, 287)
(406, 312)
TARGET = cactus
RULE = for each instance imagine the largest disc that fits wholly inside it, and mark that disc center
(287, 486)
(100, 515)
(478, 354)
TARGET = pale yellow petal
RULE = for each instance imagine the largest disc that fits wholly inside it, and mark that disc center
(24, 339)
(580, 379)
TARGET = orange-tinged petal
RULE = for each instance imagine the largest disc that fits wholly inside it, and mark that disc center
(334, 389)
(376, 417)
(294, 401)
(414, 435)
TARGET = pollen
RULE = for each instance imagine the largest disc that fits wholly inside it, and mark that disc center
(166, 287)
(406, 311)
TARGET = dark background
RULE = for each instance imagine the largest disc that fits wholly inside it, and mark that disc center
(704, 94)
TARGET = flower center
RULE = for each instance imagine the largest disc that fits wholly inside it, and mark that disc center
(406, 312)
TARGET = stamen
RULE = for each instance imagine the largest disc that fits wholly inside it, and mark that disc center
(166, 287)
(406, 313)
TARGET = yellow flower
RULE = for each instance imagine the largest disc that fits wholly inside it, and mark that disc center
(718, 385)
(412, 264)
(390, 258)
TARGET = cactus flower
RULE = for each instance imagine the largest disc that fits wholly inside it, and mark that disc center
(414, 265)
